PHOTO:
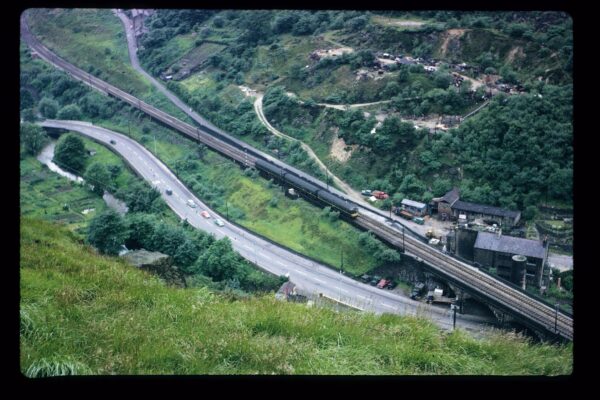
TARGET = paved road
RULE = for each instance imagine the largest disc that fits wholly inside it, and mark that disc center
(310, 277)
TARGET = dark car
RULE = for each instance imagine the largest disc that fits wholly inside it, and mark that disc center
(365, 278)
(391, 284)
(417, 291)
(112, 141)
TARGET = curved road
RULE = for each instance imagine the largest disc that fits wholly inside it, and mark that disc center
(378, 223)
(309, 276)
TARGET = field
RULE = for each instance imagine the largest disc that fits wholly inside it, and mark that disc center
(45, 194)
(84, 314)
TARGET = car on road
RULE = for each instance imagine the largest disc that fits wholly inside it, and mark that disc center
(205, 214)
(112, 141)
(218, 222)
(169, 191)
(191, 203)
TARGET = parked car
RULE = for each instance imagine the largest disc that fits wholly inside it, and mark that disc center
(191, 203)
(365, 278)
(382, 283)
(218, 222)
(205, 214)
(391, 284)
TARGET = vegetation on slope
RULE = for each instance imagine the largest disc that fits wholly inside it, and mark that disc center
(82, 313)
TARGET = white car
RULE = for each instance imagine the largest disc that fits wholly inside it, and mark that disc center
(218, 222)
(191, 203)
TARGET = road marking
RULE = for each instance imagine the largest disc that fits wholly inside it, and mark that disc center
(300, 272)
(387, 305)
(341, 289)
(319, 280)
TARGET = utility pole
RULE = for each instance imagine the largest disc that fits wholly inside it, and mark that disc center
(556, 319)
(403, 249)
(227, 209)
(327, 178)
(342, 263)
(453, 306)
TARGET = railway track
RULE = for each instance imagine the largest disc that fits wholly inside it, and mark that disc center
(471, 278)
(241, 156)
(467, 276)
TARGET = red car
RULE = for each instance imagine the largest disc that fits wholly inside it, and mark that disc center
(382, 283)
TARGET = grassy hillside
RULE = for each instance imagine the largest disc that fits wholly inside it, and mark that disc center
(86, 314)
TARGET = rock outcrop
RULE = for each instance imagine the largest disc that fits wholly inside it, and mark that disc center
(157, 263)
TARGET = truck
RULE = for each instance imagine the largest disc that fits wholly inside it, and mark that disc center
(380, 195)
(437, 296)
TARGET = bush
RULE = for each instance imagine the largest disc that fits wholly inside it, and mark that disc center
(70, 153)
(48, 107)
(71, 111)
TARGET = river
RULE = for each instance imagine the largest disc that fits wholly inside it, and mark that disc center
(45, 157)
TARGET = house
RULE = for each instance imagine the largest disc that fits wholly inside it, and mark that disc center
(414, 207)
(445, 203)
(496, 251)
(285, 291)
(473, 211)
(451, 206)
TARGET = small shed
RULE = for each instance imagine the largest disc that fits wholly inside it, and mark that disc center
(414, 207)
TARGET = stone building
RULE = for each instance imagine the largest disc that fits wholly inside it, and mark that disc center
(497, 251)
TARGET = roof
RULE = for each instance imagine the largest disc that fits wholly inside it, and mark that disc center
(413, 203)
(484, 209)
(509, 244)
(452, 196)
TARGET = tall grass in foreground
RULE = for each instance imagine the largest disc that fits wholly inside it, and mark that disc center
(82, 313)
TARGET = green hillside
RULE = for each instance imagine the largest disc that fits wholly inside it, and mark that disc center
(82, 313)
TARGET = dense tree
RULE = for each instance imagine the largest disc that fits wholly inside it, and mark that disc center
(98, 177)
(70, 112)
(70, 153)
(48, 107)
(107, 232)
(218, 261)
(139, 197)
(33, 138)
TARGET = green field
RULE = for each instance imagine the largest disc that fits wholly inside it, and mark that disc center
(85, 314)
(45, 194)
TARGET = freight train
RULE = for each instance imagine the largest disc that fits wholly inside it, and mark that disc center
(324, 196)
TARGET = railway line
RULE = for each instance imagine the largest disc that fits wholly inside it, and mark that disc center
(475, 281)
(519, 304)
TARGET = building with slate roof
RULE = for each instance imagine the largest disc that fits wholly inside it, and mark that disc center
(496, 251)
(451, 205)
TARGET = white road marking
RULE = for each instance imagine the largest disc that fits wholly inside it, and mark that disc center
(387, 305)
(300, 272)
(319, 280)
